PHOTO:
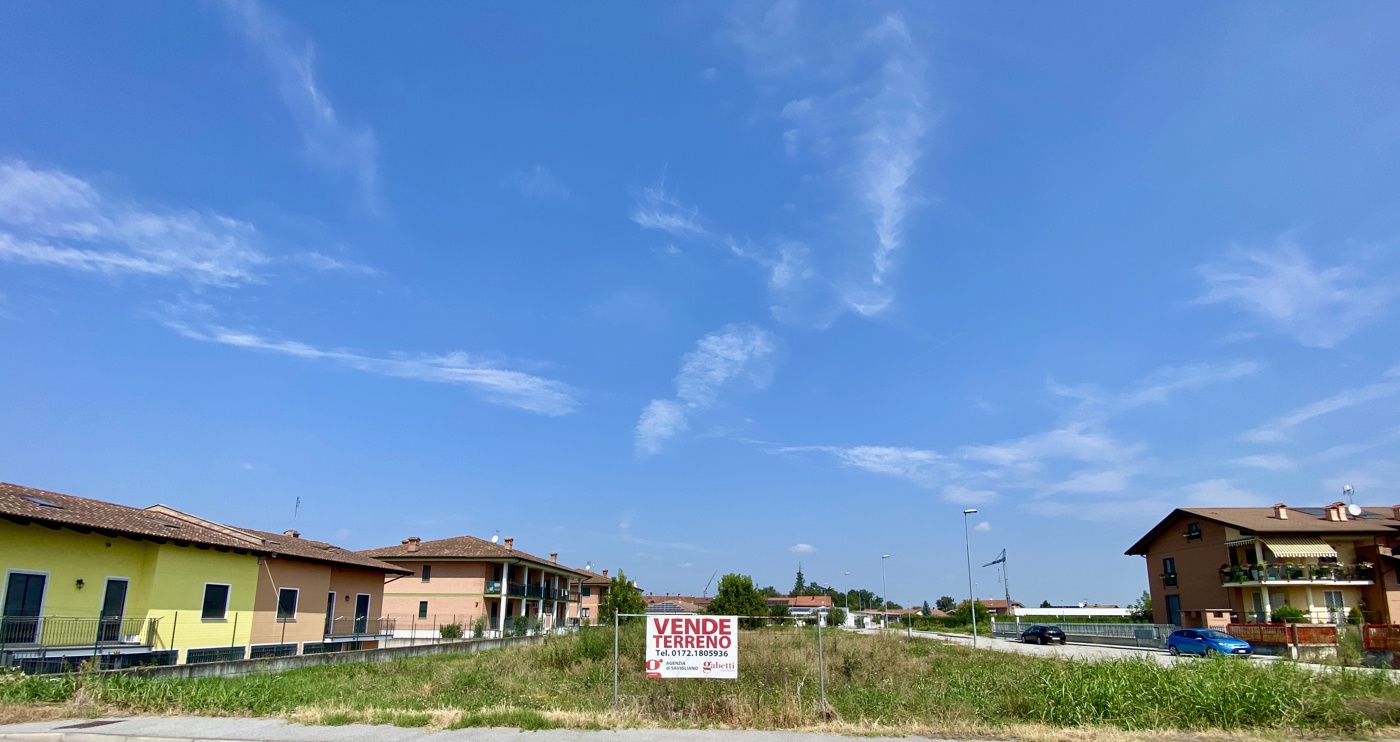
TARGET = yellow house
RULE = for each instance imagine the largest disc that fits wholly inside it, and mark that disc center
(85, 578)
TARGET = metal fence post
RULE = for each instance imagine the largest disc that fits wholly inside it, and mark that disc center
(615, 631)
(821, 664)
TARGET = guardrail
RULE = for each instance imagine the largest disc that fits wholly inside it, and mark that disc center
(361, 626)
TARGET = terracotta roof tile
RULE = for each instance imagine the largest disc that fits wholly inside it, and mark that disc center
(460, 547)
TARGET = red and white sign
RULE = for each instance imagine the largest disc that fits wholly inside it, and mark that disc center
(693, 647)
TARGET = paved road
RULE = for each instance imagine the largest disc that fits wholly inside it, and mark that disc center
(169, 729)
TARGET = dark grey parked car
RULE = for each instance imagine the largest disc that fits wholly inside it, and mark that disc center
(1043, 635)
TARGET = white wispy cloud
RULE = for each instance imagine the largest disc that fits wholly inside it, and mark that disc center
(1318, 306)
(657, 209)
(492, 382)
(1277, 430)
(1080, 457)
(1267, 462)
(49, 217)
(984, 526)
(290, 59)
(323, 262)
(736, 354)
(802, 549)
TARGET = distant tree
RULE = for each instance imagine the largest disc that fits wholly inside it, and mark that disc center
(946, 603)
(622, 597)
(893, 606)
(1045, 604)
(800, 586)
(835, 617)
(926, 611)
(1141, 610)
(963, 616)
(738, 597)
(779, 613)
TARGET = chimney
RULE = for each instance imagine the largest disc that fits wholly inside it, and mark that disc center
(605, 573)
(1395, 511)
(291, 534)
(510, 543)
(412, 543)
(1337, 511)
(553, 557)
(1281, 511)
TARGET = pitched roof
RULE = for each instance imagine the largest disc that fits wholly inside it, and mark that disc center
(802, 601)
(694, 600)
(999, 603)
(1254, 521)
(461, 547)
(23, 504)
(593, 578)
(161, 522)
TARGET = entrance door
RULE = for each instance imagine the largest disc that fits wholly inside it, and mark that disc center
(1336, 611)
(1174, 610)
(1259, 607)
(361, 613)
(109, 626)
(330, 613)
(24, 596)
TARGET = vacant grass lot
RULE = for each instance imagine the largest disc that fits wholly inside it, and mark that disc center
(875, 684)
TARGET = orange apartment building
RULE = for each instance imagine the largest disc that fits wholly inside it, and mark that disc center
(462, 579)
(1209, 567)
(592, 588)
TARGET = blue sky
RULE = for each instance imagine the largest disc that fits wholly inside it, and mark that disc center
(682, 288)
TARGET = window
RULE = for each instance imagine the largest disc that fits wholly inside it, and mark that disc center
(215, 602)
(422, 609)
(1169, 572)
(587, 592)
(427, 573)
(1193, 531)
(287, 604)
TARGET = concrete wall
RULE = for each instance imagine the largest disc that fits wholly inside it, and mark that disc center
(283, 664)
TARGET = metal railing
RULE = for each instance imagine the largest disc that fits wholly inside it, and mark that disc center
(57, 631)
(493, 587)
(1121, 630)
(516, 590)
(1297, 573)
(361, 626)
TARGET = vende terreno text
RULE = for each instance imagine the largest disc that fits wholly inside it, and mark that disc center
(692, 647)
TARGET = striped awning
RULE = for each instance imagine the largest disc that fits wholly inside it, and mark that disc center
(1299, 548)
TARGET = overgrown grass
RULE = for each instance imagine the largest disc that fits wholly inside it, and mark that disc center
(886, 683)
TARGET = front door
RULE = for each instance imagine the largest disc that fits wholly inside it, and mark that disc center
(361, 613)
(24, 596)
(1259, 607)
(1174, 610)
(109, 626)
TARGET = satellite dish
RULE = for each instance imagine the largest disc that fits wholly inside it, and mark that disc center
(1354, 509)
(495, 538)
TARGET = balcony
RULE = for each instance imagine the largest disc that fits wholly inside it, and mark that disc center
(493, 587)
(364, 627)
(1299, 574)
(51, 632)
(516, 590)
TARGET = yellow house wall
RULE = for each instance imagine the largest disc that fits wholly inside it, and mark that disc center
(164, 580)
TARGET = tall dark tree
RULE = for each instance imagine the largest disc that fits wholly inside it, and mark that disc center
(622, 598)
(926, 611)
(946, 603)
(1045, 604)
(799, 587)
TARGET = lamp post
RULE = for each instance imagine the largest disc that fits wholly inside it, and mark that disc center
(885, 621)
(848, 595)
(972, 594)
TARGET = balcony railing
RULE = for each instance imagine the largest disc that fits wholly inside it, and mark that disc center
(516, 589)
(52, 631)
(1297, 573)
(347, 626)
(493, 587)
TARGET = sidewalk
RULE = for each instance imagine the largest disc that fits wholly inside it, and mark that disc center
(190, 729)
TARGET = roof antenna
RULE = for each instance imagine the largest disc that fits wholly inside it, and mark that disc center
(1353, 509)
(296, 509)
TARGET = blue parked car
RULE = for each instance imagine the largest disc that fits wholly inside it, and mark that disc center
(1208, 642)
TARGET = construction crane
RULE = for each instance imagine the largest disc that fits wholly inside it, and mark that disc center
(706, 592)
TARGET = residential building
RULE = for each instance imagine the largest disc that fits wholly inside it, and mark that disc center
(998, 606)
(676, 603)
(87, 578)
(1208, 567)
(592, 587)
(461, 580)
(802, 605)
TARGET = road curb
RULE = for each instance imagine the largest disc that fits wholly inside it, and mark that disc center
(95, 737)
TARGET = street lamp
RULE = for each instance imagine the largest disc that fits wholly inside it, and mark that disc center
(972, 593)
(848, 595)
(885, 589)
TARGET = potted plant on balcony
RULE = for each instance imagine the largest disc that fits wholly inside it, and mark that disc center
(1293, 571)
(1363, 570)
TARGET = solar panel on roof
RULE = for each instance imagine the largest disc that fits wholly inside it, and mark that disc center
(1319, 512)
(40, 501)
